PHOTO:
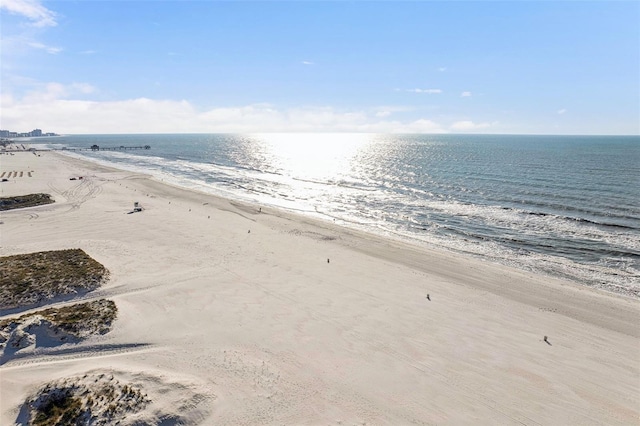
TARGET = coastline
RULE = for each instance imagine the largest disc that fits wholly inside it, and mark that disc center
(283, 318)
(561, 235)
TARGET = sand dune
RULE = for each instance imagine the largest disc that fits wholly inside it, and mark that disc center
(265, 317)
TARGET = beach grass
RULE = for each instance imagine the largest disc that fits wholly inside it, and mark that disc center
(29, 279)
(22, 201)
(90, 317)
(91, 399)
(80, 319)
(63, 409)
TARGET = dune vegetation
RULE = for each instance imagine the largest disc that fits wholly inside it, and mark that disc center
(22, 201)
(34, 278)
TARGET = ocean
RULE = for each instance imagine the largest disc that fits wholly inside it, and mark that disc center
(564, 206)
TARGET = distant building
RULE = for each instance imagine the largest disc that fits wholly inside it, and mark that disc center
(33, 133)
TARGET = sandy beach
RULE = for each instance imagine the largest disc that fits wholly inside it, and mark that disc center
(237, 314)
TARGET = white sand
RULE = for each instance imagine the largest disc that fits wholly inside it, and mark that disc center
(263, 330)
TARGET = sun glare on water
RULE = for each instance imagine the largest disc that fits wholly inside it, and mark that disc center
(323, 156)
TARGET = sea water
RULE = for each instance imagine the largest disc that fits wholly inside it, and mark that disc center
(566, 206)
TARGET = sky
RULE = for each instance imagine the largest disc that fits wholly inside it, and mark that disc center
(512, 67)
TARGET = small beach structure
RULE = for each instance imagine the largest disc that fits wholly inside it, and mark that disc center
(136, 208)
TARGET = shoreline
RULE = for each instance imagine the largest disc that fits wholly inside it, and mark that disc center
(626, 288)
(402, 242)
(336, 317)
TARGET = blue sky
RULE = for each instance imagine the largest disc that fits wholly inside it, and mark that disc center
(540, 67)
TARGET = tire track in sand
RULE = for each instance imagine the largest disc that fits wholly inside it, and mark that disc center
(79, 193)
(74, 353)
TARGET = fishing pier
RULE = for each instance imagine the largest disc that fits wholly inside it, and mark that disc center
(92, 148)
(117, 148)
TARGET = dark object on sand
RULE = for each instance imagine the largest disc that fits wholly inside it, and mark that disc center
(327, 260)
(136, 208)
(428, 298)
(21, 201)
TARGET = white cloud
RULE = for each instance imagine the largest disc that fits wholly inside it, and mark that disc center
(465, 94)
(428, 91)
(468, 125)
(308, 63)
(32, 10)
(562, 111)
(63, 109)
(56, 91)
(88, 52)
(49, 49)
(385, 111)
(85, 88)
(14, 45)
(422, 126)
(442, 69)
